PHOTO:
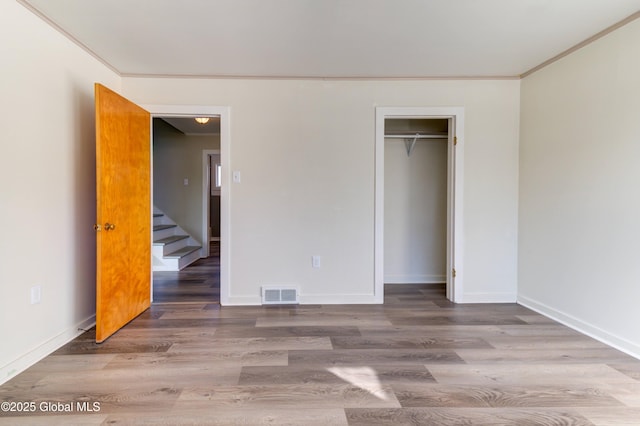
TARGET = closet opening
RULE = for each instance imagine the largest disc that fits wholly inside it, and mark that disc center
(418, 199)
(415, 202)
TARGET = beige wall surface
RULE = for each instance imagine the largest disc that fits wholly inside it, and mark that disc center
(579, 199)
(176, 157)
(47, 168)
(305, 149)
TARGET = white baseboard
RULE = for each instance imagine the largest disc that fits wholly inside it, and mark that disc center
(16, 367)
(345, 299)
(241, 301)
(339, 299)
(584, 327)
(314, 299)
(489, 298)
(414, 279)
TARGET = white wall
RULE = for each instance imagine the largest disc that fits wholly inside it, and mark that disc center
(415, 212)
(47, 170)
(306, 152)
(579, 198)
(176, 157)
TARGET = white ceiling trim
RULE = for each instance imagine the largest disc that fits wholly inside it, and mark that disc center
(583, 43)
(348, 78)
(69, 36)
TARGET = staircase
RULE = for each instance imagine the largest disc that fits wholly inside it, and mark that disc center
(173, 249)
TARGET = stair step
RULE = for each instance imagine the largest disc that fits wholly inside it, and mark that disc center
(184, 251)
(169, 240)
(171, 245)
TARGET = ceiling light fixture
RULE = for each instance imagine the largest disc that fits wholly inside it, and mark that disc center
(202, 120)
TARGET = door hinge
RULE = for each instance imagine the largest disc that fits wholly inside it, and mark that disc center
(453, 272)
(455, 140)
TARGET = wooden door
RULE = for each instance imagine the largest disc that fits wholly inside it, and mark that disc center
(123, 226)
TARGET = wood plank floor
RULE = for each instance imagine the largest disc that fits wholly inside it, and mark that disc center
(416, 360)
(199, 282)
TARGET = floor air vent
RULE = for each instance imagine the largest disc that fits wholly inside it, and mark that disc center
(279, 296)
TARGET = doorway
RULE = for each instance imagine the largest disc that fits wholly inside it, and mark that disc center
(414, 126)
(224, 152)
(181, 235)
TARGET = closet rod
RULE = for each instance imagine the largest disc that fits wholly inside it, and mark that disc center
(416, 136)
(410, 140)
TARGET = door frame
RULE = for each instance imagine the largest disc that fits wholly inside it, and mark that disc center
(455, 168)
(225, 198)
(206, 196)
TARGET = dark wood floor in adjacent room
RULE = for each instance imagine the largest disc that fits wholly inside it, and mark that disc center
(199, 282)
(416, 360)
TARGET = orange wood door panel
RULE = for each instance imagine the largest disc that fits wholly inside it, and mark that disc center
(123, 172)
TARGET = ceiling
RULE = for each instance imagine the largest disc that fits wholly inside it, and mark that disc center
(189, 126)
(330, 38)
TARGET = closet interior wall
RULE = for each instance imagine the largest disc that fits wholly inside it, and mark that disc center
(415, 201)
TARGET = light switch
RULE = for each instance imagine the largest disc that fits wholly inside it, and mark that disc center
(36, 294)
(236, 177)
(186, 182)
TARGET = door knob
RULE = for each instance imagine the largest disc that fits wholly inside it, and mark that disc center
(97, 227)
(109, 226)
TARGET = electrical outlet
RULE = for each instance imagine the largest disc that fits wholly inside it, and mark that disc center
(315, 261)
(36, 294)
